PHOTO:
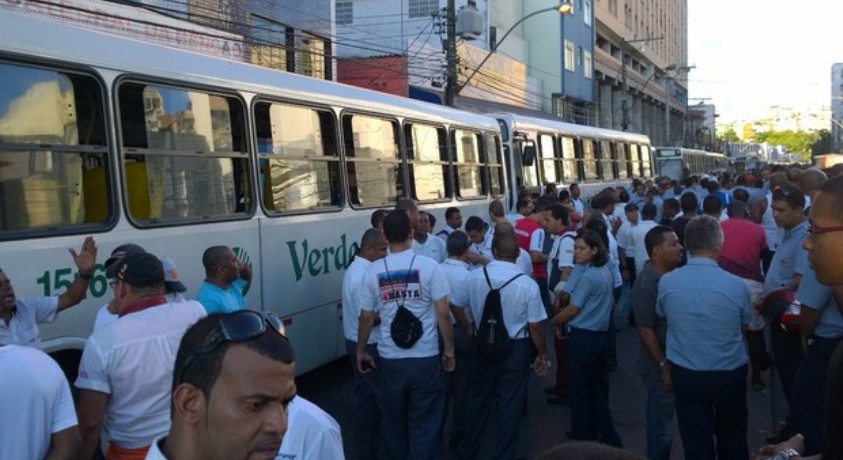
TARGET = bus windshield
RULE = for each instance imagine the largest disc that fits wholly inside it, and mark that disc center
(671, 167)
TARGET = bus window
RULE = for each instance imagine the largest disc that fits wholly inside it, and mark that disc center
(569, 160)
(604, 155)
(634, 163)
(589, 163)
(185, 154)
(427, 154)
(527, 164)
(646, 159)
(492, 156)
(467, 165)
(373, 159)
(547, 146)
(54, 169)
(621, 161)
(298, 156)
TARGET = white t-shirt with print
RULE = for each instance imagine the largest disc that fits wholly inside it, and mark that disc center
(311, 434)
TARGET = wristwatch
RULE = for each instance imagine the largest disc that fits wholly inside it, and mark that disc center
(784, 454)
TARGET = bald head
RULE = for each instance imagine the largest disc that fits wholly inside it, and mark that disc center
(505, 244)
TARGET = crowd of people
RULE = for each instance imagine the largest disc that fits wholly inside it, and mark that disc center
(723, 277)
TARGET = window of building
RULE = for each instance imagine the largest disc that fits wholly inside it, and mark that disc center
(587, 65)
(427, 155)
(569, 56)
(298, 161)
(375, 174)
(54, 171)
(310, 55)
(586, 12)
(467, 163)
(185, 155)
(423, 8)
(269, 47)
(345, 13)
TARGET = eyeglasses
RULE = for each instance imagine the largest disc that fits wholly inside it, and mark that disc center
(814, 229)
(113, 283)
(237, 326)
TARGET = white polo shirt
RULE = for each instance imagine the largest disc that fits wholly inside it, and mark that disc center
(432, 247)
(637, 235)
(311, 434)
(105, 317)
(132, 361)
(456, 272)
(23, 327)
(351, 284)
(34, 404)
(417, 288)
(520, 300)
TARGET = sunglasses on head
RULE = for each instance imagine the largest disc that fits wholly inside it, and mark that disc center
(238, 326)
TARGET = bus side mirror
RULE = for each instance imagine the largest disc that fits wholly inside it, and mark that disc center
(528, 153)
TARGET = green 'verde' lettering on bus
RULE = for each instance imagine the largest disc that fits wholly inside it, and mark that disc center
(317, 261)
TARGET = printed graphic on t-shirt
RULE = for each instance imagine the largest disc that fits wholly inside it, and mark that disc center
(401, 284)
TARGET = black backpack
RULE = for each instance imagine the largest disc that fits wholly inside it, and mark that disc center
(406, 329)
(492, 340)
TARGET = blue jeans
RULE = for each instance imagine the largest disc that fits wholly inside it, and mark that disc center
(709, 405)
(502, 385)
(413, 395)
(660, 409)
(366, 409)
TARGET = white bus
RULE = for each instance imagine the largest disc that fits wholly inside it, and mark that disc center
(176, 152)
(546, 151)
(678, 163)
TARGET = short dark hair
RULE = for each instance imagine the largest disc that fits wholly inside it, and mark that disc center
(505, 243)
(564, 195)
(370, 237)
(655, 237)
(712, 204)
(214, 257)
(740, 194)
(523, 202)
(396, 226)
(430, 218)
(203, 369)
(496, 208)
(475, 224)
(689, 203)
(670, 203)
(559, 212)
(377, 217)
(791, 195)
(833, 189)
(599, 226)
(451, 211)
(649, 211)
(623, 195)
(594, 241)
(406, 204)
(737, 210)
(457, 243)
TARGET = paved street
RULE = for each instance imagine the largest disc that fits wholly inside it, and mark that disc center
(544, 426)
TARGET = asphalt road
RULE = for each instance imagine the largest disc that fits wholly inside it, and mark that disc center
(545, 425)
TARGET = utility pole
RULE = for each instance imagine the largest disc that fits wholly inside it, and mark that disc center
(451, 54)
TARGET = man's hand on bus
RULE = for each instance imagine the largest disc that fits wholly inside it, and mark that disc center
(86, 259)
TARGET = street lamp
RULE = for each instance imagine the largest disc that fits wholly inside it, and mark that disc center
(564, 7)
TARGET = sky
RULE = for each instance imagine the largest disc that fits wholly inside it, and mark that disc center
(753, 54)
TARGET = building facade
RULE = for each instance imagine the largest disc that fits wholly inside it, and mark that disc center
(837, 107)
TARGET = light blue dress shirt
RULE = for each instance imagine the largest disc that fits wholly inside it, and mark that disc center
(818, 297)
(789, 259)
(705, 307)
(591, 290)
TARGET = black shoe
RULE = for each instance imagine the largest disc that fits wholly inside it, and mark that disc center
(552, 390)
(454, 441)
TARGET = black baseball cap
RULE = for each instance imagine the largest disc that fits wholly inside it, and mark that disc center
(120, 252)
(138, 270)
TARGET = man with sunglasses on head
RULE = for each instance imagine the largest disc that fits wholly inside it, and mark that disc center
(124, 364)
(410, 294)
(232, 388)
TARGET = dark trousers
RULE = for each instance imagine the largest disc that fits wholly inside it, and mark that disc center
(560, 346)
(611, 346)
(787, 354)
(758, 357)
(709, 405)
(502, 385)
(458, 381)
(545, 294)
(809, 392)
(413, 402)
(588, 387)
(367, 412)
(766, 259)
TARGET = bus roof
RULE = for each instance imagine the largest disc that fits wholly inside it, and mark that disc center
(26, 34)
(546, 124)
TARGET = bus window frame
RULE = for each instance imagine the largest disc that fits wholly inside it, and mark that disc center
(479, 165)
(572, 159)
(489, 166)
(344, 158)
(553, 159)
(343, 196)
(249, 143)
(448, 183)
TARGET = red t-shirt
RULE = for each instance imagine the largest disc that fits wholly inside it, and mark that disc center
(743, 241)
(524, 229)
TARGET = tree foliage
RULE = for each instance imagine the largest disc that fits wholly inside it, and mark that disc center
(799, 142)
(823, 144)
(729, 136)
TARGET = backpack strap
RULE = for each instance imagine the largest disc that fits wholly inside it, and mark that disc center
(489, 282)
